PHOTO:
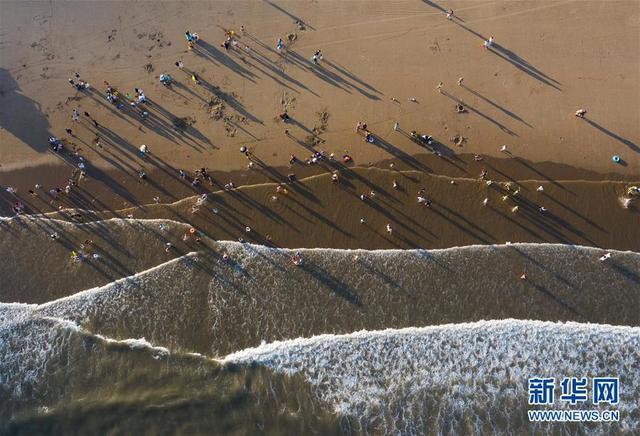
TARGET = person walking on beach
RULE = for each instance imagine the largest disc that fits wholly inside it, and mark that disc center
(76, 115)
(488, 43)
(317, 56)
(280, 44)
(439, 87)
(580, 113)
(450, 14)
(460, 81)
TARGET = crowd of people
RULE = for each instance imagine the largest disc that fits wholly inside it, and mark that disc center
(136, 101)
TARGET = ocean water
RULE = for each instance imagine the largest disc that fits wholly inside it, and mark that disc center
(348, 342)
(57, 378)
(457, 379)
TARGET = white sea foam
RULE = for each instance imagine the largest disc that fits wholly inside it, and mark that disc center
(454, 378)
(116, 284)
(31, 344)
(257, 295)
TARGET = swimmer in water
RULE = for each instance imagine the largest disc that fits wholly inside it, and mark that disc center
(605, 257)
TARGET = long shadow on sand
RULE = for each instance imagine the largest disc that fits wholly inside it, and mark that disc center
(481, 114)
(290, 15)
(22, 116)
(515, 60)
(210, 52)
(497, 106)
(615, 136)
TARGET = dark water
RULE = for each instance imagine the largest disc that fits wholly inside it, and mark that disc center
(58, 379)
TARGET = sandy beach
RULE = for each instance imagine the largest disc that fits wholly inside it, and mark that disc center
(306, 173)
(521, 93)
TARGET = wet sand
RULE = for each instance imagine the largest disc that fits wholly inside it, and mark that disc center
(318, 212)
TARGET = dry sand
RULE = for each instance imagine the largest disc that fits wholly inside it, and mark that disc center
(550, 59)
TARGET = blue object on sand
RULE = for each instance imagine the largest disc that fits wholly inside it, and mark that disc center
(616, 158)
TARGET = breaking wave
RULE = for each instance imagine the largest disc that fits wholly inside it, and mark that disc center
(456, 379)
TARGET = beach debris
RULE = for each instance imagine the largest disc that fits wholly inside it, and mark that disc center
(580, 113)
(183, 123)
(229, 129)
(149, 68)
(323, 117)
(458, 140)
(215, 108)
(632, 195)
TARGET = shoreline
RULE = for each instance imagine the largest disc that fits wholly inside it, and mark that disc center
(318, 212)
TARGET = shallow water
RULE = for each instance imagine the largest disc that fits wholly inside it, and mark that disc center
(146, 352)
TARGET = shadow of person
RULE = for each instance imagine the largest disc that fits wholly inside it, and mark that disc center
(613, 135)
(22, 116)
